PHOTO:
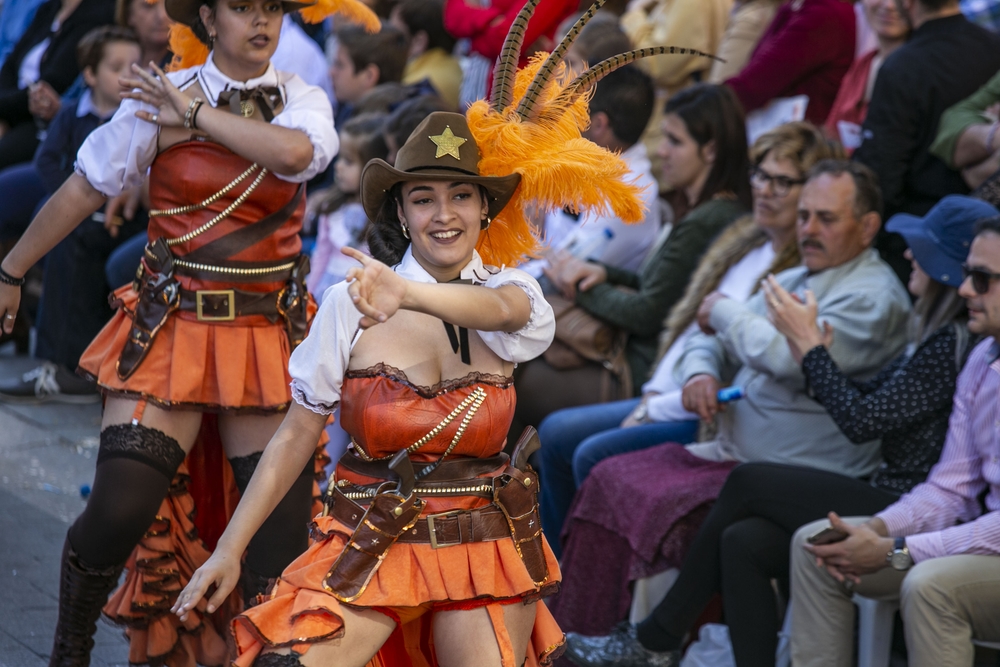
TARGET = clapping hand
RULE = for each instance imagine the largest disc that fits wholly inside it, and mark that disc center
(795, 319)
(376, 290)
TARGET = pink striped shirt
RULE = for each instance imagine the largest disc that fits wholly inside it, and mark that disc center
(942, 516)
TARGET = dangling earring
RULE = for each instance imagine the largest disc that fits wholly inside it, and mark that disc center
(406, 230)
(485, 223)
(211, 39)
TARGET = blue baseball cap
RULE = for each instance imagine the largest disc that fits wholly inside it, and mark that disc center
(940, 240)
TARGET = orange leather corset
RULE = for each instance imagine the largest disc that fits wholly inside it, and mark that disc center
(385, 413)
(189, 173)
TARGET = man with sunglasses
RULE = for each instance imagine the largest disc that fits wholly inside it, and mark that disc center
(938, 547)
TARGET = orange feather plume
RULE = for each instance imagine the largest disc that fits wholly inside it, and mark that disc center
(559, 168)
(352, 10)
(189, 51)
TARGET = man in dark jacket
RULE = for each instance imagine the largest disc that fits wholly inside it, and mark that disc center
(946, 59)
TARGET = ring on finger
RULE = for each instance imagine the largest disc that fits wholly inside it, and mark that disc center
(155, 118)
(8, 316)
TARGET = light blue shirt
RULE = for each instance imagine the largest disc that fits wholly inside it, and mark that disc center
(777, 421)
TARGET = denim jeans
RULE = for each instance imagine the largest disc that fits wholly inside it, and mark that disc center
(574, 440)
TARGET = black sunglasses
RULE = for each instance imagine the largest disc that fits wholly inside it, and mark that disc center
(980, 278)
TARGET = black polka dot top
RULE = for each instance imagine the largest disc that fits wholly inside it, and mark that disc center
(907, 405)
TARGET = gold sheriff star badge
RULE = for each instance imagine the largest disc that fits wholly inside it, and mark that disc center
(447, 143)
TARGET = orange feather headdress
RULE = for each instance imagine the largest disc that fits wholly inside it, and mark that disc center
(189, 51)
(533, 125)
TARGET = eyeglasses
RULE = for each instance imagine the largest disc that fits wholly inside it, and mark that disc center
(780, 185)
(980, 278)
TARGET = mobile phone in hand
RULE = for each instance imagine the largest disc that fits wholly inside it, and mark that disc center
(827, 536)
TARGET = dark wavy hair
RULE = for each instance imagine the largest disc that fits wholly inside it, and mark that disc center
(712, 113)
(386, 242)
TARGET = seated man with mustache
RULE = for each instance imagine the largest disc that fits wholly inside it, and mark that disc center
(776, 421)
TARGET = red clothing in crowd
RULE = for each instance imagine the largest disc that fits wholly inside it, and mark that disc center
(487, 27)
(850, 106)
(807, 50)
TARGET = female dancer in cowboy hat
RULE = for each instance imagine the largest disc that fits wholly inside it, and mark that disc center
(206, 328)
(422, 540)
(430, 549)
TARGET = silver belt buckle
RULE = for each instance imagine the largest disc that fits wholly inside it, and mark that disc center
(435, 544)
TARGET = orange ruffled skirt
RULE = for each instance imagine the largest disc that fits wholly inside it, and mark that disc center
(412, 580)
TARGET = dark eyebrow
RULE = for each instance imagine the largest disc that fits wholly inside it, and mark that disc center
(418, 188)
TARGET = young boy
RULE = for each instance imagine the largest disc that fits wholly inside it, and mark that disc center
(363, 61)
(74, 303)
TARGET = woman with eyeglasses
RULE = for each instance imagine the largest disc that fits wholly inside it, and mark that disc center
(744, 543)
(576, 439)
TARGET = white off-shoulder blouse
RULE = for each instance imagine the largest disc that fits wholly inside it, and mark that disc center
(116, 156)
(318, 364)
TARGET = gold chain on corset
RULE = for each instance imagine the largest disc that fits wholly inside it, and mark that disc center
(472, 402)
(225, 214)
(181, 210)
(235, 271)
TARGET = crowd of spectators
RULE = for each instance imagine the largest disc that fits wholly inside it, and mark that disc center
(820, 239)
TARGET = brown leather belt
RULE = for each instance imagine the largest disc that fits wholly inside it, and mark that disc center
(227, 304)
(485, 524)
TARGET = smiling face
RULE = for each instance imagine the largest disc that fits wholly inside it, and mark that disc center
(246, 34)
(829, 231)
(984, 309)
(444, 220)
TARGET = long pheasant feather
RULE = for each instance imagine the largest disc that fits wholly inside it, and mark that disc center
(589, 78)
(506, 67)
(527, 103)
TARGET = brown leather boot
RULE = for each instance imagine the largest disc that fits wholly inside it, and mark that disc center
(83, 590)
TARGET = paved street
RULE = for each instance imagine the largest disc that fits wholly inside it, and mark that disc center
(46, 453)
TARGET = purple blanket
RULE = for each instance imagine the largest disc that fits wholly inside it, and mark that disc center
(635, 515)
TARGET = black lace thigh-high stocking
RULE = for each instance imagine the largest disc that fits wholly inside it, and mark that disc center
(135, 465)
(282, 537)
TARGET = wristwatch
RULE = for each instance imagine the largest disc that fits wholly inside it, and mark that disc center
(641, 412)
(899, 558)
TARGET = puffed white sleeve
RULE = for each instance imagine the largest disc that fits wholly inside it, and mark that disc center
(308, 110)
(318, 364)
(535, 336)
(116, 156)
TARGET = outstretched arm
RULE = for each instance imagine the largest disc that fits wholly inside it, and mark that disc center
(71, 203)
(284, 457)
(378, 292)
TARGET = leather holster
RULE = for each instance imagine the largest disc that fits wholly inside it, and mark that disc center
(515, 492)
(293, 303)
(159, 296)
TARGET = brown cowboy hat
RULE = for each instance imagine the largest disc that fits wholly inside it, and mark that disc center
(440, 149)
(186, 11)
